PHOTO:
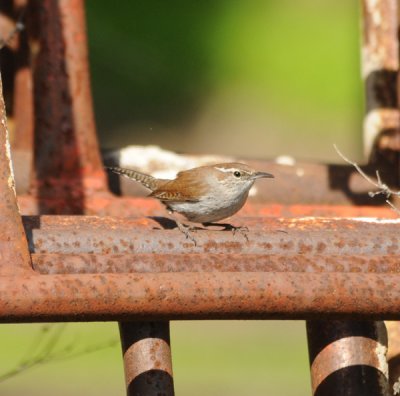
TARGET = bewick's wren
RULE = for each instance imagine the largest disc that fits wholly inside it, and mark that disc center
(202, 195)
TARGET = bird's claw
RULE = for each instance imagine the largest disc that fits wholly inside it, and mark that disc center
(243, 230)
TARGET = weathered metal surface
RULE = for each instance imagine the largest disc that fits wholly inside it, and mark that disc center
(380, 64)
(72, 17)
(393, 355)
(265, 236)
(14, 254)
(183, 295)
(85, 263)
(67, 163)
(348, 358)
(147, 358)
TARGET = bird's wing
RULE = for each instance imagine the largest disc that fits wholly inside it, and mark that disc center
(184, 188)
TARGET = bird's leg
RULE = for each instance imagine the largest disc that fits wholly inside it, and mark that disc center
(187, 231)
(183, 228)
(243, 230)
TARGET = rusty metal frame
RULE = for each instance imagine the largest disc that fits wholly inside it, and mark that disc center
(142, 273)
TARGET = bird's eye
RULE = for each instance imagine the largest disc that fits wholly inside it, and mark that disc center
(236, 174)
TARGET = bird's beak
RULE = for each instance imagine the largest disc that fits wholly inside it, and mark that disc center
(259, 175)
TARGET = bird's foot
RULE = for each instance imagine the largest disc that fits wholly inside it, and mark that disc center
(243, 230)
(187, 231)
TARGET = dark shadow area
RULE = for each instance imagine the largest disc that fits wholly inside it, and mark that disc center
(354, 381)
(381, 92)
(152, 383)
(30, 223)
(339, 179)
(165, 222)
(112, 158)
(7, 61)
(394, 370)
(135, 331)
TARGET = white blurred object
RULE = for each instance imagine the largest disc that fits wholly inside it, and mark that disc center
(161, 163)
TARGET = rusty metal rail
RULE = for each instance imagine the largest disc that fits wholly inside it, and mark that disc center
(288, 269)
(210, 295)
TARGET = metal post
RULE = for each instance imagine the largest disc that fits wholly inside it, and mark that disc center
(67, 159)
(380, 65)
(14, 253)
(348, 358)
(147, 358)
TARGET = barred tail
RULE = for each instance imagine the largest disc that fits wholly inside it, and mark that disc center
(146, 180)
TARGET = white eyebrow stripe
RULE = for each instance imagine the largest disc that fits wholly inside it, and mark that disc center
(226, 170)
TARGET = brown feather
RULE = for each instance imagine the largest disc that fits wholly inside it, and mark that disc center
(184, 188)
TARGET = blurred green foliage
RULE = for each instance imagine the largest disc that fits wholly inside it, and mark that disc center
(209, 358)
(166, 72)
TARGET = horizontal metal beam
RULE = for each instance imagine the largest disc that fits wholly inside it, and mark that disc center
(262, 295)
(124, 269)
(87, 263)
(267, 236)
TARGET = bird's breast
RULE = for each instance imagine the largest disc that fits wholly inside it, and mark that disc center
(210, 208)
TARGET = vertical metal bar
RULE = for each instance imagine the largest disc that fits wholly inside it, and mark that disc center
(14, 254)
(393, 356)
(72, 13)
(348, 358)
(23, 105)
(380, 65)
(67, 159)
(147, 358)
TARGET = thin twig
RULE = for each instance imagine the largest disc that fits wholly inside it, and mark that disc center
(19, 26)
(46, 351)
(382, 187)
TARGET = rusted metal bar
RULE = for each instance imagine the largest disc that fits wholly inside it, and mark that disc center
(380, 66)
(265, 236)
(72, 18)
(348, 358)
(13, 244)
(183, 295)
(147, 358)
(22, 142)
(67, 160)
(86, 263)
(393, 355)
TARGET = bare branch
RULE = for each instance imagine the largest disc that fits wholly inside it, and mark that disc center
(382, 187)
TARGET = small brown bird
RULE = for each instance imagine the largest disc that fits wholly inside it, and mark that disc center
(202, 195)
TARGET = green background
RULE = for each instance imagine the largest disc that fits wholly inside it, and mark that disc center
(250, 78)
(255, 78)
